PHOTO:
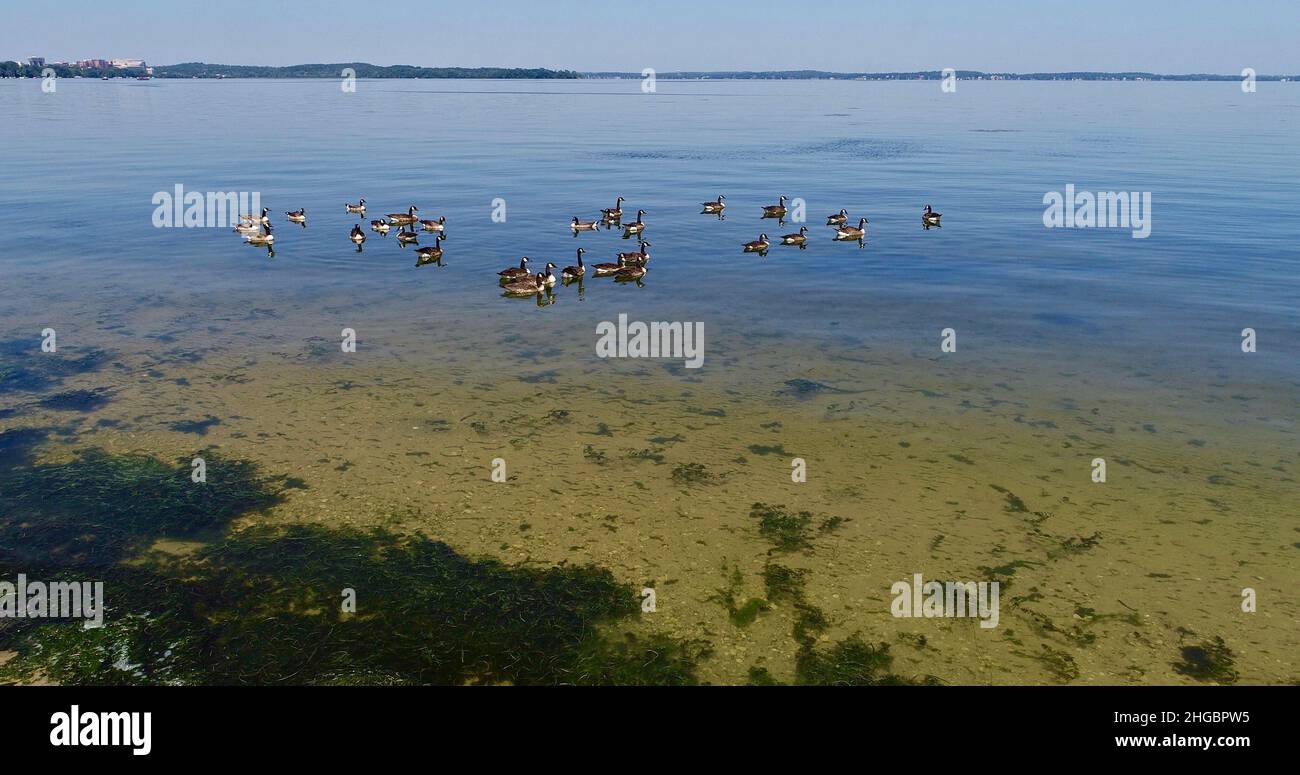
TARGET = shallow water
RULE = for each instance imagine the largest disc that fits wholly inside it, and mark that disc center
(969, 465)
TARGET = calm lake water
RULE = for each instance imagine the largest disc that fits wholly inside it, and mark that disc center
(1072, 343)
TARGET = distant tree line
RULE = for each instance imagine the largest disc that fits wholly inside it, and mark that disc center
(932, 75)
(16, 70)
(366, 70)
(361, 69)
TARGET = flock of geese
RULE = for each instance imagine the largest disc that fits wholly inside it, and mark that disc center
(519, 281)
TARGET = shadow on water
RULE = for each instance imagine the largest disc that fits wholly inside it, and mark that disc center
(265, 604)
(24, 367)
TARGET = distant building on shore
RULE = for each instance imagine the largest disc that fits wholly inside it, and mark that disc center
(36, 61)
(123, 64)
(93, 64)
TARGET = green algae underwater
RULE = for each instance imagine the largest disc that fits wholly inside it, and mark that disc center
(261, 605)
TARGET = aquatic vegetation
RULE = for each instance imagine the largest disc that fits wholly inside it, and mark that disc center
(759, 676)
(806, 388)
(809, 623)
(1044, 626)
(1077, 544)
(786, 531)
(646, 454)
(831, 524)
(783, 584)
(742, 614)
(852, 662)
(691, 473)
(915, 640)
(1060, 664)
(1014, 504)
(1208, 661)
(762, 449)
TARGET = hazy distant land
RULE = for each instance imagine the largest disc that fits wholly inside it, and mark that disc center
(367, 70)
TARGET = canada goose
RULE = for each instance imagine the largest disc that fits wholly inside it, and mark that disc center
(380, 226)
(438, 225)
(607, 269)
(930, 216)
(528, 286)
(297, 216)
(404, 236)
(850, 232)
(403, 218)
(249, 228)
(359, 207)
(578, 225)
(615, 212)
(549, 278)
(640, 257)
(796, 239)
(774, 211)
(759, 245)
(631, 272)
(635, 228)
(426, 255)
(574, 272)
(837, 219)
(265, 217)
(515, 272)
(716, 207)
(264, 238)
(358, 236)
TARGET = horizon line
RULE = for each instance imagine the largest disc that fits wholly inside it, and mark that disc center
(774, 74)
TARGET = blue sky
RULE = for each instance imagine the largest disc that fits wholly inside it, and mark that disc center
(1172, 36)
